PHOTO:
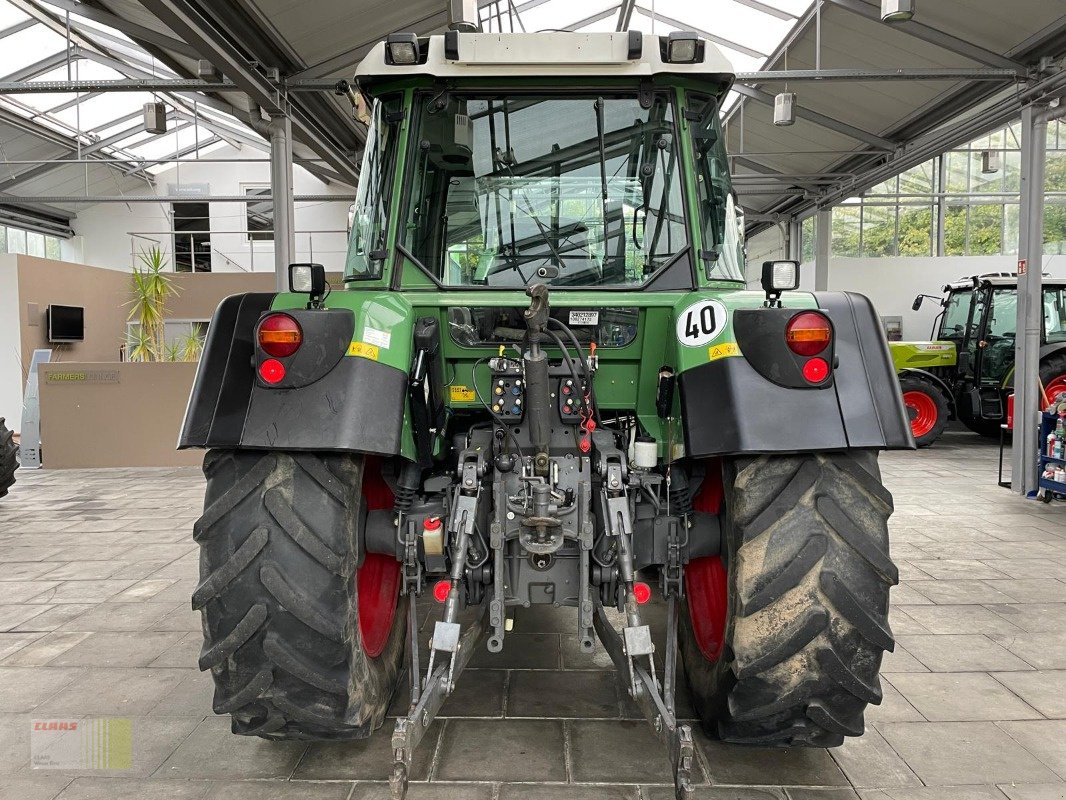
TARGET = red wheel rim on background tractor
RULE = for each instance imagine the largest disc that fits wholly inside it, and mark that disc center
(1056, 386)
(706, 579)
(924, 412)
(378, 579)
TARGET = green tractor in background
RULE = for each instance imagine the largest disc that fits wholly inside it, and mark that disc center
(967, 372)
(543, 383)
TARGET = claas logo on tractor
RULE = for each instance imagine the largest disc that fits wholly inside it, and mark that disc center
(541, 381)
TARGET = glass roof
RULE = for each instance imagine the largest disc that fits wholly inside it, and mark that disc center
(110, 123)
(746, 31)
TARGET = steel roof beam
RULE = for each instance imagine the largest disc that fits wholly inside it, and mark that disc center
(900, 74)
(817, 118)
(684, 26)
(18, 27)
(85, 150)
(581, 23)
(47, 64)
(932, 35)
(202, 34)
(131, 29)
(773, 12)
(625, 14)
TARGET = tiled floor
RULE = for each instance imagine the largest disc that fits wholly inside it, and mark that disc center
(96, 570)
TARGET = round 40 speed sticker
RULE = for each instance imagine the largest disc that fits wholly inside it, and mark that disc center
(701, 323)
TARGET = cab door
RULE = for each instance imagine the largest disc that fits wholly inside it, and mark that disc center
(995, 344)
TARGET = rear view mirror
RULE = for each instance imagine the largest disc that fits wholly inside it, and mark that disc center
(917, 302)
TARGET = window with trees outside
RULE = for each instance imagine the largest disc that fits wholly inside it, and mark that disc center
(962, 203)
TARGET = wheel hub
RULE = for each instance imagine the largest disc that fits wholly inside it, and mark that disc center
(377, 580)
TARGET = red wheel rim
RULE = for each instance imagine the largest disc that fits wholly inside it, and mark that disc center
(706, 579)
(377, 581)
(924, 411)
(1056, 386)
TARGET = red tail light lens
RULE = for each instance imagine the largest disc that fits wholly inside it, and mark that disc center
(808, 333)
(272, 371)
(279, 335)
(816, 370)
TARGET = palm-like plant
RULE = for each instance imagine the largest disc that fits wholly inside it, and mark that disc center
(151, 287)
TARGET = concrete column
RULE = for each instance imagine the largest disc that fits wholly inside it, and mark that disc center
(1030, 306)
(823, 241)
(281, 190)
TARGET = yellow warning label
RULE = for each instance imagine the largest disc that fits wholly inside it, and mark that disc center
(363, 350)
(722, 351)
(462, 394)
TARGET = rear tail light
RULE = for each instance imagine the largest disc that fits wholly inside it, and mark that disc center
(808, 333)
(272, 371)
(816, 370)
(279, 335)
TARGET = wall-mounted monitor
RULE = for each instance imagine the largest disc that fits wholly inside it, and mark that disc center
(66, 324)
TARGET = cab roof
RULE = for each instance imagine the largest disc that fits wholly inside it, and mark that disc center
(997, 280)
(549, 54)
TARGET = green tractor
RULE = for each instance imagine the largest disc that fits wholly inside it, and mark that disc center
(544, 383)
(967, 372)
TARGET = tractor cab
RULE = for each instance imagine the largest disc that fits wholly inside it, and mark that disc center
(968, 369)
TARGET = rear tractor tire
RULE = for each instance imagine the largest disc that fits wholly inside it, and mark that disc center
(927, 409)
(301, 641)
(782, 637)
(8, 458)
(1053, 375)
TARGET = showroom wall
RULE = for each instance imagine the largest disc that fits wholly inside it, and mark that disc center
(104, 231)
(28, 285)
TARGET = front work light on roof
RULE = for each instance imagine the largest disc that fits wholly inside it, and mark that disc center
(682, 47)
(897, 10)
(402, 48)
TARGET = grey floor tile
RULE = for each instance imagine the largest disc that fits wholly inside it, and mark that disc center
(526, 791)
(1035, 791)
(869, 761)
(934, 793)
(800, 766)
(24, 689)
(1034, 590)
(804, 793)
(83, 571)
(278, 790)
(55, 617)
(503, 750)
(894, 706)
(133, 789)
(1045, 739)
(211, 751)
(1041, 650)
(120, 617)
(38, 787)
(15, 616)
(365, 759)
(1044, 690)
(42, 648)
(184, 653)
(191, 697)
(961, 653)
(960, 619)
(562, 694)
(606, 751)
(81, 591)
(425, 791)
(717, 793)
(112, 692)
(13, 642)
(956, 753)
(1033, 617)
(961, 696)
(117, 649)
